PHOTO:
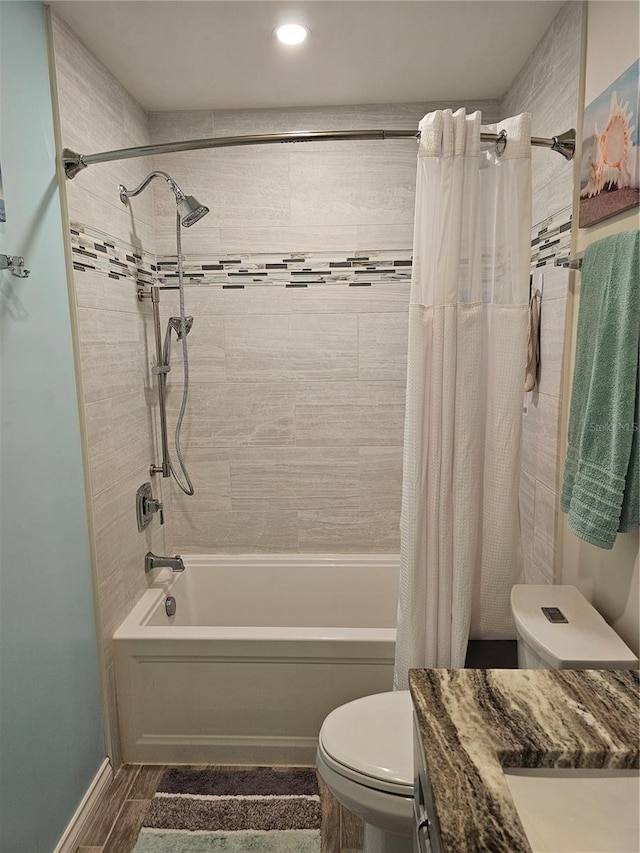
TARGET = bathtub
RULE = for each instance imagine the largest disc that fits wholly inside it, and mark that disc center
(260, 649)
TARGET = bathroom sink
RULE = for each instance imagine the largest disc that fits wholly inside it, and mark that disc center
(578, 811)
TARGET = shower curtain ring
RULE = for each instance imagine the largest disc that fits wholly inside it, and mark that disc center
(501, 143)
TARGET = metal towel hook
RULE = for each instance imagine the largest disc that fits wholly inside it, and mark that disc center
(15, 265)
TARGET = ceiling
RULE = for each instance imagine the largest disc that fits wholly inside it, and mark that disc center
(184, 55)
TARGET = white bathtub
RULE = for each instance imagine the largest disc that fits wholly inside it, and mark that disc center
(260, 650)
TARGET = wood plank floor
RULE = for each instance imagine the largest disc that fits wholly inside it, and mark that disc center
(119, 815)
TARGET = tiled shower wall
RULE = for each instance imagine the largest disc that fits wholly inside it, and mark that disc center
(96, 113)
(547, 87)
(294, 428)
(295, 423)
(311, 197)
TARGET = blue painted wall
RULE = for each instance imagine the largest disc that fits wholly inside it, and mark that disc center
(51, 736)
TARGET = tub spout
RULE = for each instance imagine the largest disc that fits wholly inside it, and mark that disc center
(152, 561)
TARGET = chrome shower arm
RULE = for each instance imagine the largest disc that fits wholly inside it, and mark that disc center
(125, 193)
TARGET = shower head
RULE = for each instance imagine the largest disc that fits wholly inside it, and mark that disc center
(190, 210)
(175, 323)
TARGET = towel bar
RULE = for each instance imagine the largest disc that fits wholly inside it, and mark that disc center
(574, 263)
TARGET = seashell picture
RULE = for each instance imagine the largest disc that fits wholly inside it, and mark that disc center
(610, 168)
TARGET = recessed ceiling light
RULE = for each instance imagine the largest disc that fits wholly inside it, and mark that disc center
(292, 33)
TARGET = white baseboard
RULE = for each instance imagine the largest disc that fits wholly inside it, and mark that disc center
(84, 812)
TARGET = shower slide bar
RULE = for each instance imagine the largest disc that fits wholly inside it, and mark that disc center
(160, 368)
(73, 162)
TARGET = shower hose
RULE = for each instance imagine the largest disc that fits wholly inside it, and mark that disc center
(187, 485)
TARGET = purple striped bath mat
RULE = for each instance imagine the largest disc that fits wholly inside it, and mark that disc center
(264, 810)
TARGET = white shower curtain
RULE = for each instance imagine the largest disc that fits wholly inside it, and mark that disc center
(460, 533)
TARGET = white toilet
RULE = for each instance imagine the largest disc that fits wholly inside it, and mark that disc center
(365, 748)
(558, 629)
(365, 756)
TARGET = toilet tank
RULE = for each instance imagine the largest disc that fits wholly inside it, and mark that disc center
(558, 629)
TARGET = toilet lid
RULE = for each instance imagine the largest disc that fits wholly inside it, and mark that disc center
(373, 737)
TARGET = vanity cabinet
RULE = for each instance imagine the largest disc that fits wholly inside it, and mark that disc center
(470, 725)
(426, 831)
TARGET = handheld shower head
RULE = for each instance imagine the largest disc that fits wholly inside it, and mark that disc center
(189, 208)
(175, 323)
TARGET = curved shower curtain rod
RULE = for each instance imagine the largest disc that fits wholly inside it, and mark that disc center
(73, 162)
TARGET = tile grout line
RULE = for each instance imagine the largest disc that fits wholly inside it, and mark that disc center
(127, 790)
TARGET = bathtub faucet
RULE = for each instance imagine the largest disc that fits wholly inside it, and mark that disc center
(152, 561)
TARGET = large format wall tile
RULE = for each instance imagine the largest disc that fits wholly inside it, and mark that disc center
(547, 87)
(210, 473)
(294, 478)
(226, 415)
(384, 237)
(236, 186)
(544, 534)
(383, 298)
(113, 351)
(201, 239)
(278, 348)
(540, 439)
(256, 299)
(382, 346)
(354, 185)
(527, 502)
(297, 444)
(350, 413)
(532, 574)
(235, 532)
(96, 290)
(182, 124)
(283, 414)
(206, 351)
(552, 339)
(311, 413)
(278, 120)
(244, 239)
(98, 114)
(348, 531)
(285, 198)
(119, 436)
(115, 220)
(380, 481)
(120, 547)
(556, 282)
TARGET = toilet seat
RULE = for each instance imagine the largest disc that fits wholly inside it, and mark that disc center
(369, 741)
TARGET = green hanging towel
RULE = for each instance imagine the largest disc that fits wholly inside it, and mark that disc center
(601, 491)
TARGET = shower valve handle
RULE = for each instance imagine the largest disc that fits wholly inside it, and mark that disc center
(152, 505)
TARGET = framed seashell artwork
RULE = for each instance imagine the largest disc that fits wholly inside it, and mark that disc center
(610, 168)
(3, 216)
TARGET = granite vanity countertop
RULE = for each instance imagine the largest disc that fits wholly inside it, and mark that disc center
(473, 723)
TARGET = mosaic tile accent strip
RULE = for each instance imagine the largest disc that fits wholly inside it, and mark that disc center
(99, 252)
(356, 270)
(551, 238)
(93, 250)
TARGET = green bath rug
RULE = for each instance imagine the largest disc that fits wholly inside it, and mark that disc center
(233, 811)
